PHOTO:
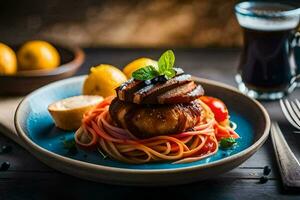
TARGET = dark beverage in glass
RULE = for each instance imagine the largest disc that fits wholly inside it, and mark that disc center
(265, 63)
(267, 67)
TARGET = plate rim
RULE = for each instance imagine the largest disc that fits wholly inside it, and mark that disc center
(32, 146)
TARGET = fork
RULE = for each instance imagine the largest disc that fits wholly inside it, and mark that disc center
(291, 111)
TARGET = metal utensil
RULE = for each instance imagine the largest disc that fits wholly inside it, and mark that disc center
(287, 162)
(291, 111)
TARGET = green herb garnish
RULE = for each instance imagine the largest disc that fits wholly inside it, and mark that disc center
(166, 63)
(226, 143)
(145, 73)
(70, 145)
(165, 67)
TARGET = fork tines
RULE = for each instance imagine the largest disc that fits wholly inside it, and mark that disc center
(291, 110)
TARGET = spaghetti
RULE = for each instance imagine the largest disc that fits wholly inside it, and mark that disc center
(99, 131)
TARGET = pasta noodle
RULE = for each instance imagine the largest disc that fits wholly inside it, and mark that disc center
(99, 131)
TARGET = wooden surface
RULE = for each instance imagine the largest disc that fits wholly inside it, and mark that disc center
(27, 178)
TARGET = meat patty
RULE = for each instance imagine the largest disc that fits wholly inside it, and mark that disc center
(145, 121)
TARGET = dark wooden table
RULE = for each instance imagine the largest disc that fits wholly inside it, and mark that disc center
(28, 178)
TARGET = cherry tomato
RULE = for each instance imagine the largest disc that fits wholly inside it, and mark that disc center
(217, 107)
(222, 132)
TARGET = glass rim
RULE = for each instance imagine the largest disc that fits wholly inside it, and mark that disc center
(243, 8)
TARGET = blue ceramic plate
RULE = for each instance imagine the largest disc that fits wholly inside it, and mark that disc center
(36, 128)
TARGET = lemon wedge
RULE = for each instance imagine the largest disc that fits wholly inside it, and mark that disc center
(68, 113)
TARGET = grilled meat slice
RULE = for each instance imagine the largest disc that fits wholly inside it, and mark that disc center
(148, 94)
(182, 94)
(145, 121)
(126, 90)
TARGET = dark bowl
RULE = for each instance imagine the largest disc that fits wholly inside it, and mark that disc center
(26, 81)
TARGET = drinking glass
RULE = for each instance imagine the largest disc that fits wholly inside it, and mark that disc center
(267, 68)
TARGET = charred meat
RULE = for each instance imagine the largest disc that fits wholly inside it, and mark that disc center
(157, 107)
(153, 120)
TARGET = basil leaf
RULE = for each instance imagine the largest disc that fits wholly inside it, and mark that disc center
(164, 68)
(145, 73)
(166, 62)
(226, 143)
(170, 73)
(70, 145)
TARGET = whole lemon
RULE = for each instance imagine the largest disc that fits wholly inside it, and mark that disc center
(8, 60)
(103, 80)
(37, 54)
(137, 64)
